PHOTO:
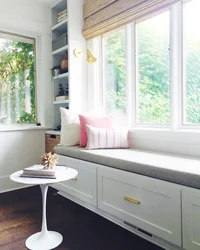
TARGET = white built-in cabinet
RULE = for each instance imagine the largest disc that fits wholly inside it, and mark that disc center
(146, 203)
(84, 186)
(68, 34)
(161, 212)
(191, 219)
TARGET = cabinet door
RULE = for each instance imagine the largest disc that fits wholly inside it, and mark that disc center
(146, 203)
(84, 186)
(191, 219)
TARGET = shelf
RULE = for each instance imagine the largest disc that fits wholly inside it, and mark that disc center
(61, 27)
(59, 5)
(60, 51)
(52, 132)
(61, 76)
(61, 102)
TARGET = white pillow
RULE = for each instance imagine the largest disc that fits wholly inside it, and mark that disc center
(70, 128)
(106, 137)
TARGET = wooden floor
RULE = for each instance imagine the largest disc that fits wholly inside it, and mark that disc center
(20, 216)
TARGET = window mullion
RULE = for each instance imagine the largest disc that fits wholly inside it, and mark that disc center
(130, 74)
(175, 65)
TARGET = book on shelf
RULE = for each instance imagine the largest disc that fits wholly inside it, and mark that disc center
(62, 15)
(62, 98)
(60, 19)
(62, 12)
(38, 171)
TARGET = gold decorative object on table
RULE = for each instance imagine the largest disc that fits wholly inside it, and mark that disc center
(49, 160)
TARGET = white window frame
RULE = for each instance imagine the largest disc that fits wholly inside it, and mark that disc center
(176, 72)
(25, 39)
(137, 124)
(40, 118)
(183, 124)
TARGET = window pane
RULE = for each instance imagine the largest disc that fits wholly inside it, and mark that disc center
(115, 75)
(153, 102)
(17, 81)
(191, 51)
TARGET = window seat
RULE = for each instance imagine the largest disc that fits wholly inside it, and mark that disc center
(179, 170)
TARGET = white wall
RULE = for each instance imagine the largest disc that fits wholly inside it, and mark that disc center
(22, 148)
(18, 149)
(77, 66)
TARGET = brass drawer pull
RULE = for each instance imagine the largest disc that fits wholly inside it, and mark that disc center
(131, 200)
(74, 179)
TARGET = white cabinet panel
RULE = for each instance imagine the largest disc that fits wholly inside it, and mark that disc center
(149, 204)
(191, 219)
(84, 187)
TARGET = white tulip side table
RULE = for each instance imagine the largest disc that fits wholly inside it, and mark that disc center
(44, 240)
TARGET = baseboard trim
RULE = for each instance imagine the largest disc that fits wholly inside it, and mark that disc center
(6, 185)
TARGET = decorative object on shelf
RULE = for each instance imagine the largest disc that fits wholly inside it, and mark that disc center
(49, 160)
(61, 90)
(90, 57)
(67, 90)
(55, 70)
(61, 95)
(62, 16)
(64, 63)
(58, 128)
(59, 42)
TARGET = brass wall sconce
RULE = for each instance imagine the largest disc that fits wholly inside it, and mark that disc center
(90, 57)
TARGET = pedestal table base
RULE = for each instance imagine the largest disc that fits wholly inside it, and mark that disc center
(44, 241)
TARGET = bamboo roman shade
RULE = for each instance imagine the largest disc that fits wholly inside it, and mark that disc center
(101, 16)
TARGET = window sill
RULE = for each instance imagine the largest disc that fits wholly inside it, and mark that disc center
(195, 130)
(7, 128)
(189, 136)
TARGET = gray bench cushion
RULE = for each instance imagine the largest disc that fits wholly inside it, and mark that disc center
(174, 169)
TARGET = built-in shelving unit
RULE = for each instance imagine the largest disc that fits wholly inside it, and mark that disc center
(61, 27)
(60, 102)
(66, 35)
(61, 76)
(59, 49)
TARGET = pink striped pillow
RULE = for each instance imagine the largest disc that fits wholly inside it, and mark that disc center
(99, 122)
(106, 138)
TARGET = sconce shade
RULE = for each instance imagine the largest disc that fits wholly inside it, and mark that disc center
(90, 57)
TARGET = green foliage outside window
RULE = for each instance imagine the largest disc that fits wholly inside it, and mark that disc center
(116, 71)
(153, 76)
(16, 72)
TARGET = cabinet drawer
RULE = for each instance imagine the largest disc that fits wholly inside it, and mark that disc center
(149, 204)
(84, 186)
(191, 219)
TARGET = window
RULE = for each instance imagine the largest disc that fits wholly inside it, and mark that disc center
(17, 79)
(191, 63)
(115, 74)
(165, 57)
(152, 59)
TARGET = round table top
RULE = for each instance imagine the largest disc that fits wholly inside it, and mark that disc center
(65, 175)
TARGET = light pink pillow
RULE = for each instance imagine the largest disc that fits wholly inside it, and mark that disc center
(106, 137)
(100, 122)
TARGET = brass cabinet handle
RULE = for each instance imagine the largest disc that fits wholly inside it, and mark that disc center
(131, 200)
(74, 179)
